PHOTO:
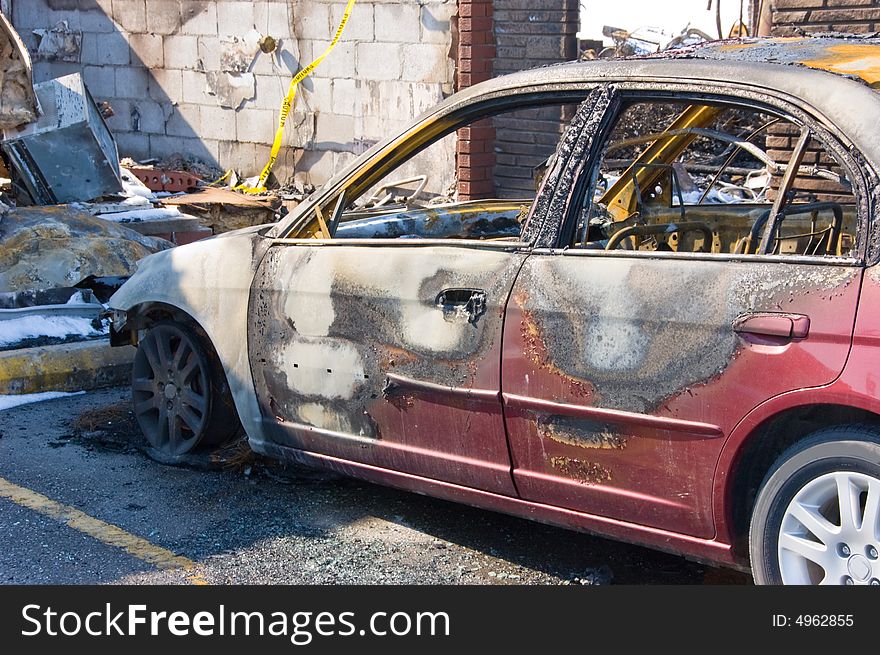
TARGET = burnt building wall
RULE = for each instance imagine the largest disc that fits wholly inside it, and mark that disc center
(184, 75)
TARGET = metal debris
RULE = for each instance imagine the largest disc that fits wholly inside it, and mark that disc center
(68, 155)
(224, 210)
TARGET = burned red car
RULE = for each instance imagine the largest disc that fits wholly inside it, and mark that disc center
(647, 309)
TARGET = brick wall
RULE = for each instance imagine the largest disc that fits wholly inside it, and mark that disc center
(792, 17)
(811, 16)
(780, 144)
(503, 36)
(169, 68)
(529, 33)
(475, 53)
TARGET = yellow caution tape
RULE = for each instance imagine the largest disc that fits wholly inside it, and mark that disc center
(287, 104)
(220, 179)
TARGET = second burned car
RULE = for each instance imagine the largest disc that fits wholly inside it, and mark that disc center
(647, 311)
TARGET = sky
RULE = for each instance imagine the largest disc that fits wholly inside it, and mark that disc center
(670, 15)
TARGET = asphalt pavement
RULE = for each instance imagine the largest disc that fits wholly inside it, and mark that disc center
(82, 502)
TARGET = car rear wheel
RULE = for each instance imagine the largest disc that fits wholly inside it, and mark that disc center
(817, 515)
(181, 397)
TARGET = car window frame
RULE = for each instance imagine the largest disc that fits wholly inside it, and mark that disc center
(773, 104)
(437, 125)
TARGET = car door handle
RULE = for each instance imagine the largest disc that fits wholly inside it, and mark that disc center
(770, 324)
(454, 301)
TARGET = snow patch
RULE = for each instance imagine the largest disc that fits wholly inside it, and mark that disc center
(7, 402)
(143, 215)
(15, 330)
(133, 187)
(78, 299)
(136, 201)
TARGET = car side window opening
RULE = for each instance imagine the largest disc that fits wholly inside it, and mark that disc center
(478, 181)
(703, 178)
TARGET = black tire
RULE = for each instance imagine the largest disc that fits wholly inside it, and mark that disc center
(849, 450)
(180, 394)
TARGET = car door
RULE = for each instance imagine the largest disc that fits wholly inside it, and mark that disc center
(387, 352)
(372, 354)
(624, 370)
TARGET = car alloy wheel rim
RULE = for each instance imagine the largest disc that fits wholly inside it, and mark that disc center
(169, 386)
(830, 533)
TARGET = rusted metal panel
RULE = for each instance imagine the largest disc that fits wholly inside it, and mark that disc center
(355, 356)
(644, 353)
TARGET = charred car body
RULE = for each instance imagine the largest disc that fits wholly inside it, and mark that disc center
(672, 341)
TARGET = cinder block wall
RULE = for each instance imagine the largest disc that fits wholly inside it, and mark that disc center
(172, 68)
(792, 17)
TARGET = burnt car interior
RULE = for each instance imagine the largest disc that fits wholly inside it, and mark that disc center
(674, 176)
(708, 178)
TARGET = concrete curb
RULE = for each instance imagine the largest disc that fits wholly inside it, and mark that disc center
(81, 366)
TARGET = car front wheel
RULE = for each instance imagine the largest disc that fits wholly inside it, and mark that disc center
(181, 397)
(817, 515)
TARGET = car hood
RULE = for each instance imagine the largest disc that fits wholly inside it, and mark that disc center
(177, 274)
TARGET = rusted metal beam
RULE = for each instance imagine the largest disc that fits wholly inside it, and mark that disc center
(621, 198)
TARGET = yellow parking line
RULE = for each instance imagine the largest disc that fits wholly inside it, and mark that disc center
(105, 532)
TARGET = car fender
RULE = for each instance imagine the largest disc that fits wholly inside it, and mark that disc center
(838, 392)
(210, 281)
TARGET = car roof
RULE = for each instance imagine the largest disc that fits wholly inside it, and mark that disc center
(831, 77)
(850, 56)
